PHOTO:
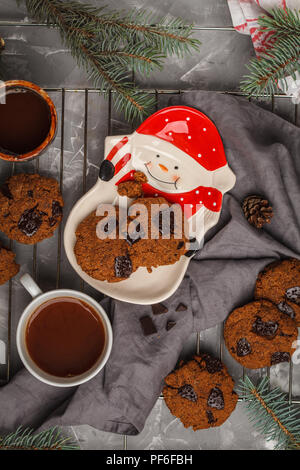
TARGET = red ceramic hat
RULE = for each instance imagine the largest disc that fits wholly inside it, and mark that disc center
(190, 131)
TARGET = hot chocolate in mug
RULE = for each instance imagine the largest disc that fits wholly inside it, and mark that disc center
(64, 337)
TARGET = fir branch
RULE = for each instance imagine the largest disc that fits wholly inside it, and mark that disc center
(278, 61)
(24, 439)
(281, 23)
(271, 413)
(171, 34)
(112, 44)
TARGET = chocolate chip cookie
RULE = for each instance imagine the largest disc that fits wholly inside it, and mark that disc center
(8, 266)
(200, 392)
(30, 207)
(105, 259)
(280, 283)
(112, 247)
(259, 335)
(133, 189)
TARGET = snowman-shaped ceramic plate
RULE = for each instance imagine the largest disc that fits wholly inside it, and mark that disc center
(180, 151)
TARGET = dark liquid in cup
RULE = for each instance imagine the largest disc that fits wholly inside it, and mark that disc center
(24, 121)
(65, 336)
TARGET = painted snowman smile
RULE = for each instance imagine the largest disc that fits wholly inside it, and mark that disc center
(161, 181)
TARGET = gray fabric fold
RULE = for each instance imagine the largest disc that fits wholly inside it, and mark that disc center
(264, 152)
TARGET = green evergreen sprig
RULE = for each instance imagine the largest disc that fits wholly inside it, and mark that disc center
(25, 439)
(278, 61)
(110, 45)
(271, 413)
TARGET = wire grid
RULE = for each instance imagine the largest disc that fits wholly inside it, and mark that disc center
(87, 92)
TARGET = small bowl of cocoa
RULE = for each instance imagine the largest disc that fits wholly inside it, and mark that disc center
(28, 120)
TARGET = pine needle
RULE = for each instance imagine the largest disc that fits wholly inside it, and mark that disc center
(279, 60)
(271, 413)
(25, 439)
(110, 45)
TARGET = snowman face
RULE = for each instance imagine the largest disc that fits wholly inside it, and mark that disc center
(167, 168)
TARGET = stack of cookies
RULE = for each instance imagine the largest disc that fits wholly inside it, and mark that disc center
(112, 246)
(30, 211)
(263, 332)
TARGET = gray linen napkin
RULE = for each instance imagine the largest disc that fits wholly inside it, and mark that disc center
(264, 152)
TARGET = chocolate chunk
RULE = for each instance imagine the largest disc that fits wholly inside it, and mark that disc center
(56, 209)
(187, 391)
(56, 212)
(216, 399)
(107, 170)
(158, 309)
(180, 245)
(148, 326)
(135, 235)
(243, 347)
(210, 417)
(30, 193)
(180, 308)
(110, 225)
(196, 247)
(165, 222)
(286, 309)
(266, 329)
(278, 357)
(30, 221)
(213, 364)
(123, 266)
(191, 253)
(170, 325)
(293, 294)
(6, 191)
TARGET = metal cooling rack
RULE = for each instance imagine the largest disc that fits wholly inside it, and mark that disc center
(110, 130)
(63, 92)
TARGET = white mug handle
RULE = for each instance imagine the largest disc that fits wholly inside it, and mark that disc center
(30, 285)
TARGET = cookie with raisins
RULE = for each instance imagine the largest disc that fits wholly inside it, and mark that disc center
(31, 208)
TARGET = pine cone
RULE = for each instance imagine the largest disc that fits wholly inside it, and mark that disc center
(257, 210)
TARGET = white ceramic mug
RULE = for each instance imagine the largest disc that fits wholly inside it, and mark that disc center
(39, 298)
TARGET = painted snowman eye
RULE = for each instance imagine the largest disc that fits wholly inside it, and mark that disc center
(175, 167)
(157, 156)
